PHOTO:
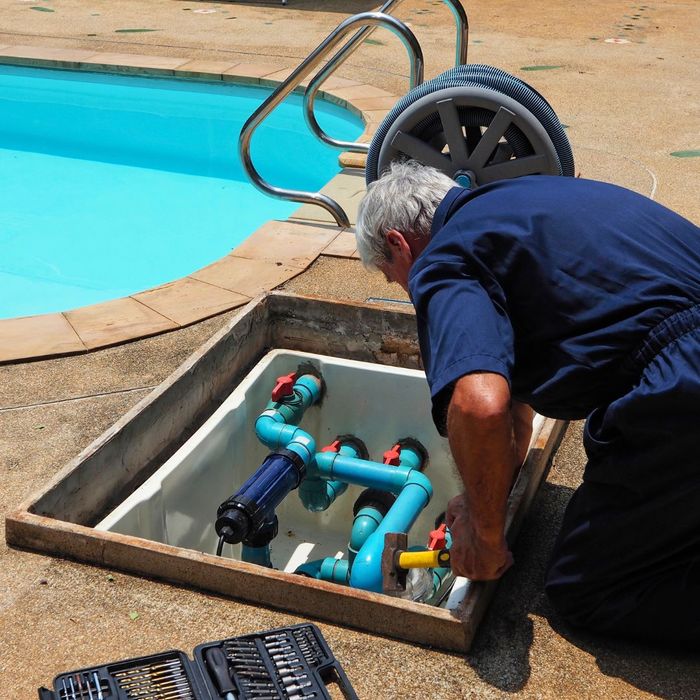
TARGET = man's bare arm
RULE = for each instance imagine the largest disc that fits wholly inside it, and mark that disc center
(488, 440)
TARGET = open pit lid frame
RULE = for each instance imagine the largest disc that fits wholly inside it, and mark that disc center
(59, 519)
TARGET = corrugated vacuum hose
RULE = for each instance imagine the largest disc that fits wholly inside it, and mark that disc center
(477, 124)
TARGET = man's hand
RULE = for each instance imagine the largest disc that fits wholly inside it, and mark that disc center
(474, 555)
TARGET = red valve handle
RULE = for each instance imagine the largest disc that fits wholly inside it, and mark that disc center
(438, 538)
(392, 456)
(333, 447)
(284, 386)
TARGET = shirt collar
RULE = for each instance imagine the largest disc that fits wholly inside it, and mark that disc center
(444, 209)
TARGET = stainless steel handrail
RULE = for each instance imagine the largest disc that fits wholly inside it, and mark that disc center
(461, 46)
(309, 64)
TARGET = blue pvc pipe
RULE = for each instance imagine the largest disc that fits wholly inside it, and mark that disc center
(414, 492)
(328, 569)
(335, 570)
(278, 436)
(318, 494)
(367, 519)
(408, 457)
(256, 555)
(276, 426)
(331, 465)
(365, 523)
(367, 567)
(312, 569)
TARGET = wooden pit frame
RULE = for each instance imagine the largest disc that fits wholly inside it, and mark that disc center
(59, 519)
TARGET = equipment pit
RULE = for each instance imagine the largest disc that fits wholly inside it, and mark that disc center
(144, 496)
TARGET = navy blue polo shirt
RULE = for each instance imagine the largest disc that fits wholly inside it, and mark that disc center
(551, 282)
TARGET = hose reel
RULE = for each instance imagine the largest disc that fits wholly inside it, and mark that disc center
(475, 123)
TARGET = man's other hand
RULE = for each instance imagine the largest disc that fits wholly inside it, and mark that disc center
(478, 556)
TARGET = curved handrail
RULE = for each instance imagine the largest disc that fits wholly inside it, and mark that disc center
(332, 40)
(461, 46)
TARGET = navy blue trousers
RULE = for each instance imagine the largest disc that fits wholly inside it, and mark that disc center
(627, 558)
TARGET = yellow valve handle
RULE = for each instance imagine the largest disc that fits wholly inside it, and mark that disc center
(427, 559)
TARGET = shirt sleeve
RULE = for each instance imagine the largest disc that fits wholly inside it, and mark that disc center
(462, 329)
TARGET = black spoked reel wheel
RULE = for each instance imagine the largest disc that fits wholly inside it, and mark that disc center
(476, 124)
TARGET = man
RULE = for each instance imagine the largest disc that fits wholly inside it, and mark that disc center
(577, 298)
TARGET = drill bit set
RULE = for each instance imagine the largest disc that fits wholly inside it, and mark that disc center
(167, 676)
(289, 663)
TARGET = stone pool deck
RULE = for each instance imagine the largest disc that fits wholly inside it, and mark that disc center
(622, 75)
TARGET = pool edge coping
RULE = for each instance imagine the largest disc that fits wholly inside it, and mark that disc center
(203, 293)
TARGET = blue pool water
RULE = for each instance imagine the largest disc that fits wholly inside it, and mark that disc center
(111, 184)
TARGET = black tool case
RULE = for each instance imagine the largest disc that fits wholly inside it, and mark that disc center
(288, 663)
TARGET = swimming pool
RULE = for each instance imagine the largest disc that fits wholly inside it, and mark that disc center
(111, 184)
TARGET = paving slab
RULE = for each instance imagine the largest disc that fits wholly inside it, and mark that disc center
(38, 336)
(116, 321)
(188, 300)
(287, 243)
(244, 276)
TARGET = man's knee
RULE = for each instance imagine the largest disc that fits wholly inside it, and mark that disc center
(569, 598)
(657, 608)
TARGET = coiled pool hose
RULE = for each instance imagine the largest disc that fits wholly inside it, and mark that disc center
(477, 93)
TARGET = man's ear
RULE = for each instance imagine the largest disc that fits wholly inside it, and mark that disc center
(398, 243)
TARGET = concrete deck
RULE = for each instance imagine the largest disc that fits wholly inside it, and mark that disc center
(629, 107)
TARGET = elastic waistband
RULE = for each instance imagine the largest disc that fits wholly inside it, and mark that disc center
(661, 335)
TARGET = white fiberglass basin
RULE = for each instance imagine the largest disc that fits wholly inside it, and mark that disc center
(379, 404)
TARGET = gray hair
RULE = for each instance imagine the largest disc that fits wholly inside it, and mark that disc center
(404, 198)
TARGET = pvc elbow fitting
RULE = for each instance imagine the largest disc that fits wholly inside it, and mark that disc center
(317, 494)
(366, 570)
(277, 435)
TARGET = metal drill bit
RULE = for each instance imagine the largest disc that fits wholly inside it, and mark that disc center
(243, 651)
(173, 671)
(262, 683)
(245, 656)
(146, 685)
(65, 689)
(146, 667)
(152, 682)
(241, 647)
(302, 697)
(260, 673)
(157, 688)
(161, 678)
(169, 695)
(247, 664)
(72, 689)
(78, 683)
(89, 687)
(99, 686)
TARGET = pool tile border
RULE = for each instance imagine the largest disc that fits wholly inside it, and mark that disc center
(272, 255)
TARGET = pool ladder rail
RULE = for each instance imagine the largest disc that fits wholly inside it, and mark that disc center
(367, 23)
